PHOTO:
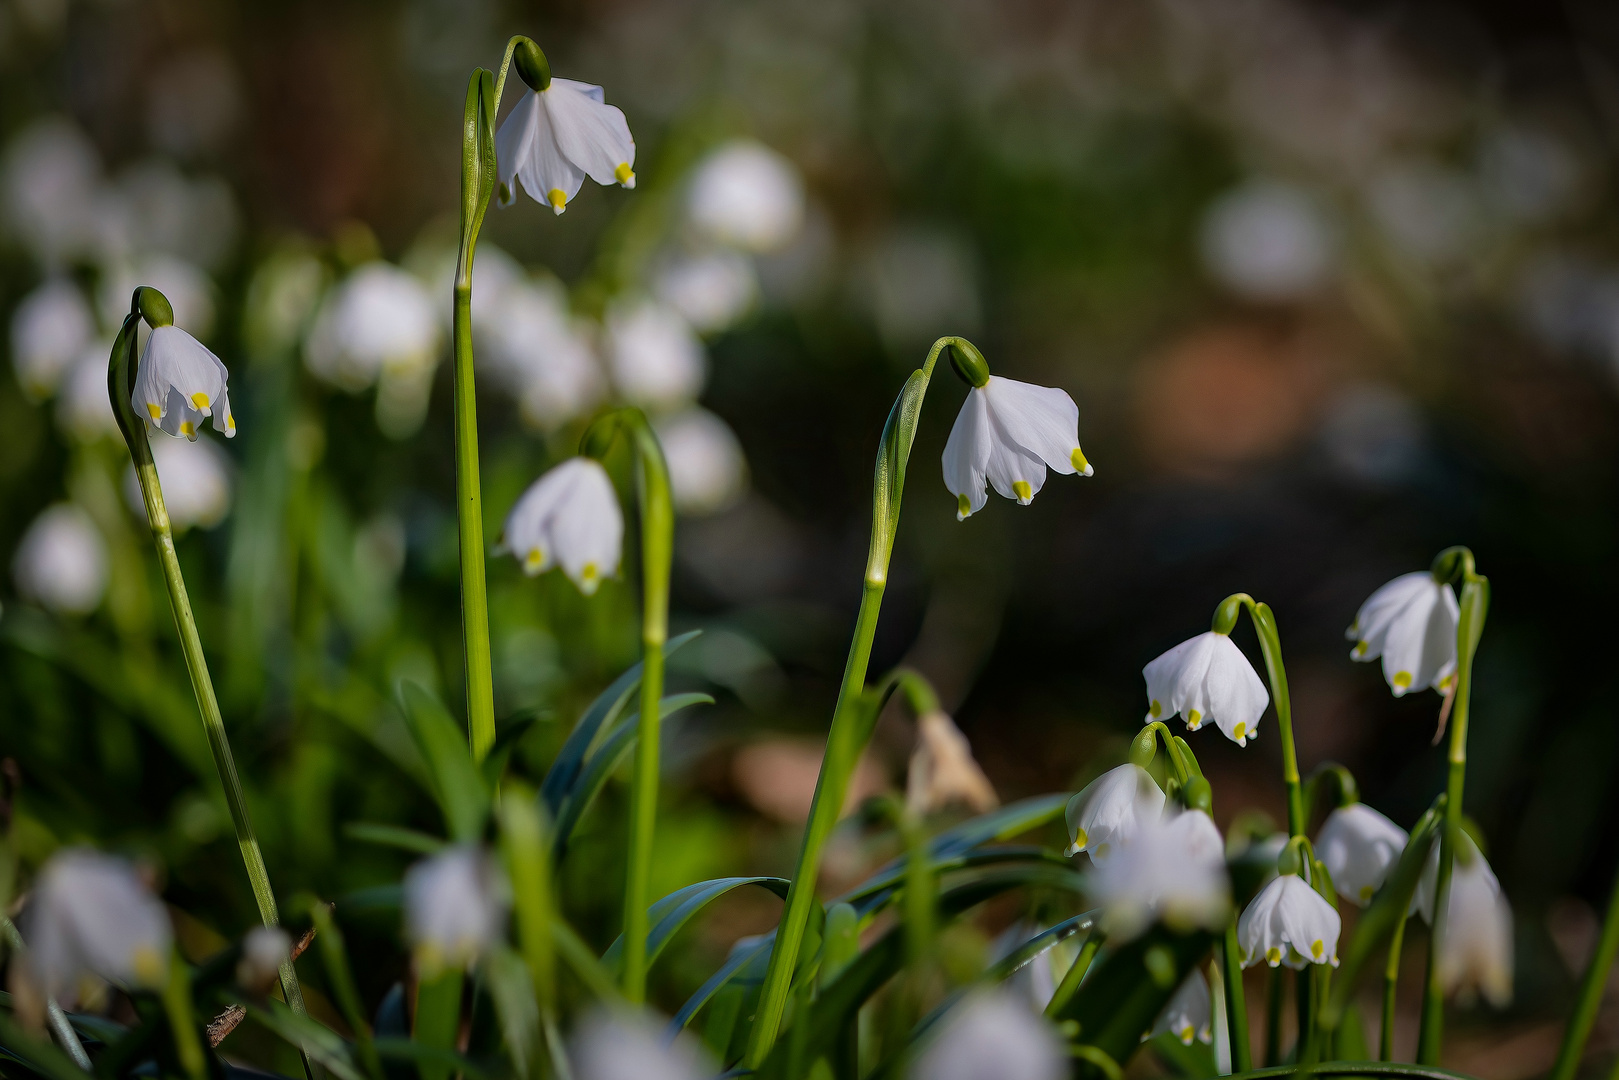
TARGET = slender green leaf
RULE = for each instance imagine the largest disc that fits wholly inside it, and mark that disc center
(513, 992)
(507, 736)
(668, 915)
(394, 836)
(1119, 1000)
(755, 954)
(457, 785)
(39, 1055)
(322, 1044)
(892, 874)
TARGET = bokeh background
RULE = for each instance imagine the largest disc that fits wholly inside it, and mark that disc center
(1334, 286)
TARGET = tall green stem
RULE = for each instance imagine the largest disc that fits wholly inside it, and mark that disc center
(120, 385)
(849, 731)
(1591, 988)
(1391, 983)
(1270, 646)
(1236, 1000)
(1475, 602)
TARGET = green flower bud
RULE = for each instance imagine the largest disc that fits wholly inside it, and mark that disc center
(531, 64)
(1160, 964)
(153, 306)
(1225, 616)
(1199, 795)
(1289, 861)
(969, 362)
(1144, 747)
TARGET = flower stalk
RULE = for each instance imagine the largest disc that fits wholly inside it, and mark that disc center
(1590, 1000)
(1270, 646)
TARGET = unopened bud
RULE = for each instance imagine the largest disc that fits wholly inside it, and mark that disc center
(1144, 747)
(969, 362)
(153, 306)
(531, 64)
(1225, 616)
(1198, 795)
(1288, 862)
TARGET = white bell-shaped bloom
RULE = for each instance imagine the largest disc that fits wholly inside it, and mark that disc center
(569, 517)
(1189, 1014)
(1411, 624)
(942, 769)
(542, 355)
(49, 330)
(1207, 678)
(707, 471)
(1359, 848)
(992, 1036)
(1172, 871)
(747, 196)
(712, 291)
(655, 358)
(180, 384)
(379, 318)
(1110, 811)
(1475, 954)
(556, 137)
(61, 562)
(455, 907)
(90, 915)
(83, 409)
(195, 477)
(621, 1045)
(1007, 434)
(1289, 923)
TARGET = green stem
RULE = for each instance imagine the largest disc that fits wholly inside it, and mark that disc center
(1591, 989)
(438, 1018)
(849, 731)
(1236, 1001)
(1270, 646)
(177, 1003)
(1391, 982)
(1075, 974)
(1273, 1016)
(120, 384)
(1475, 601)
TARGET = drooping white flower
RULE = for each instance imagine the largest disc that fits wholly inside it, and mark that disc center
(195, 477)
(263, 950)
(942, 770)
(379, 318)
(1190, 1012)
(1411, 623)
(49, 330)
(540, 352)
(90, 915)
(992, 1036)
(1476, 951)
(1359, 848)
(1207, 678)
(1007, 434)
(1172, 871)
(747, 196)
(61, 562)
(556, 137)
(83, 409)
(181, 383)
(1289, 923)
(655, 358)
(1110, 811)
(707, 471)
(712, 291)
(455, 907)
(568, 517)
(627, 1046)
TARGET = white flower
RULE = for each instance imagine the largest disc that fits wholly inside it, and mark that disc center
(455, 907)
(49, 329)
(1189, 1013)
(1008, 433)
(1359, 848)
(1476, 953)
(84, 410)
(626, 1046)
(180, 383)
(1411, 624)
(556, 137)
(379, 319)
(942, 769)
(570, 516)
(1173, 871)
(1268, 241)
(263, 950)
(1289, 923)
(1207, 678)
(707, 471)
(655, 358)
(992, 1036)
(493, 272)
(747, 196)
(712, 291)
(541, 354)
(195, 478)
(62, 561)
(50, 176)
(91, 915)
(1110, 811)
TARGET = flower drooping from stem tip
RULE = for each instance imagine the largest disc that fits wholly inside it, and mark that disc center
(568, 517)
(560, 132)
(1207, 678)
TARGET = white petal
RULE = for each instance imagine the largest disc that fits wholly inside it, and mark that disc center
(593, 136)
(1175, 680)
(1419, 649)
(1042, 420)
(1380, 609)
(966, 455)
(588, 529)
(1359, 847)
(544, 171)
(1235, 693)
(1013, 472)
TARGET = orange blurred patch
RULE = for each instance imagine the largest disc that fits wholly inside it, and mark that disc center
(777, 777)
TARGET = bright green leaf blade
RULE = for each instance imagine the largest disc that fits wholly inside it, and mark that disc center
(669, 914)
(394, 836)
(1119, 999)
(733, 969)
(512, 991)
(460, 789)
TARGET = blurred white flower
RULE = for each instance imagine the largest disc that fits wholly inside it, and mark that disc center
(919, 279)
(1289, 923)
(556, 137)
(49, 329)
(49, 176)
(180, 383)
(263, 950)
(152, 208)
(1207, 678)
(493, 273)
(185, 285)
(1411, 623)
(1171, 871)
(1106, 816)
(707, 471)
(655, 358)
(943, 771)
(712, 291)
(455, 908)
(1189, 1013)
(1528, 172)
(540, 352)
(379, 318)
(281, 299)
(1476, 951)
(992, 1036)
(195, 478)
(626, 1046)
(1268, 241)
(1428, 212)
(84, 409)
(90, 915)
(568, 517)
(1007, 434)
(61, 561)
(747, 196)
(1359, 848)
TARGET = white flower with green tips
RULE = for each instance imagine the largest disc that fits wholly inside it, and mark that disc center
(557, 136)
(1289, 923)
(180, 384)
(1172, 871)
(1110, 811)
(1411, 624)
(1189, 1014)
(1359, 848)
(1008, 434)
(455, 908)
(570, 518)
(1207, 678)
